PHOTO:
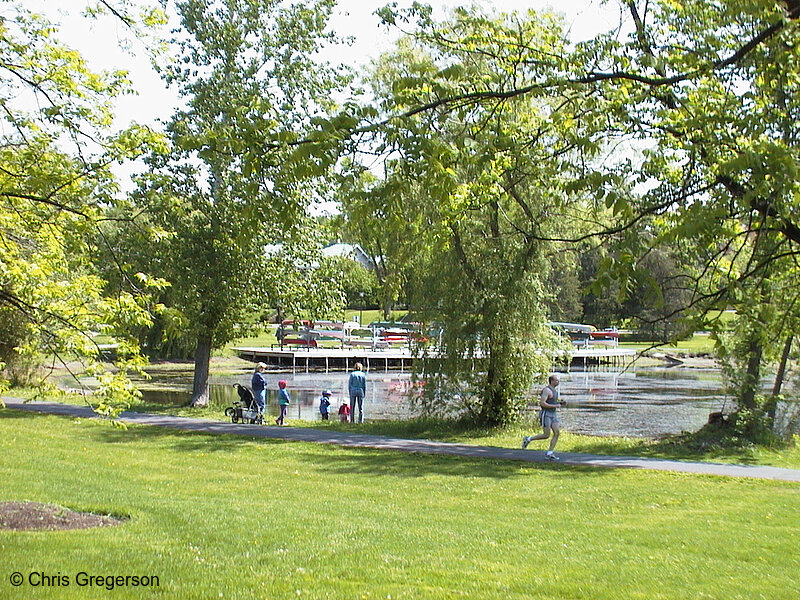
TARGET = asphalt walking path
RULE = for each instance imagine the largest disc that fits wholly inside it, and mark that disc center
(360, 440)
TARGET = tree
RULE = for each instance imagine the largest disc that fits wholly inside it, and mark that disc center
(237, 177)
(703, 95)
(715, 89)
(307, 284)
(56, 189)
(480, 195)
(380, 230)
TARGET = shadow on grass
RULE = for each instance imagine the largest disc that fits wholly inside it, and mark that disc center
(10, 413)
(670, 449)
(383, 463)
(414, 428)
(370, 461)
(182, 440)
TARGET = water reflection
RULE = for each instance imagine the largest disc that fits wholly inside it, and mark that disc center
(642, 403)
(646, 402)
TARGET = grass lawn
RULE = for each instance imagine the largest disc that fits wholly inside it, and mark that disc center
(232, 517)
(699, 343)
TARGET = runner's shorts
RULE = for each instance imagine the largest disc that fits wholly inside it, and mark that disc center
(547, 419)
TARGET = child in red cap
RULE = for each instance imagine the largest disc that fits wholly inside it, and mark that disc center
(283, 401)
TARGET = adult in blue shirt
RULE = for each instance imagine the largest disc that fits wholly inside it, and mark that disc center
(357, 386)
(259, 385)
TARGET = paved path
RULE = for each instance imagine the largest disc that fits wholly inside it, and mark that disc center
(360, 440)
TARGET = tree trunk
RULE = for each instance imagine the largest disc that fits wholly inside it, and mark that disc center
(494, 402)
(491, 410)
(753, 377)
(202, 360)
(779, 376)
(772, 404)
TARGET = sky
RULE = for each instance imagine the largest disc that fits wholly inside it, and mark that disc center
(98, 42)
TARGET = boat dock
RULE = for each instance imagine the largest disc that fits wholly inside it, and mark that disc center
(342, 359)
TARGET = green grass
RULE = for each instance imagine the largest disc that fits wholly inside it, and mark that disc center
(368, 316)
(699, 343)
(787, 455)
(231, 517)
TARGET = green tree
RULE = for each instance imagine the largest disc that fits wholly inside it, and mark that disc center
(703, 94)
(238, 176)
(306, 284)
(482, 195)
(715, 89)
(381, 230)
(56, 190)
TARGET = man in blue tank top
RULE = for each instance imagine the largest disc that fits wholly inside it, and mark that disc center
(549, 402)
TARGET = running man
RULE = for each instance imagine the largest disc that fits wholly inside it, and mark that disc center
(548, 417)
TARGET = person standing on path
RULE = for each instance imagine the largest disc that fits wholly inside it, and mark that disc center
(283, 402)
(259, 385)
(357, 386)
(549, 402)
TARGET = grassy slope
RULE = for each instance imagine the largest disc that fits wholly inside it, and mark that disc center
(230, 517)
(699, 343)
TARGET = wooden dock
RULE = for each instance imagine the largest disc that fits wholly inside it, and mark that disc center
(614, 356)
(342, 359)
(329, 359)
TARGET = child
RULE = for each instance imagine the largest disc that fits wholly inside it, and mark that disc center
(283, 401)
(344, 412)
(324, 404)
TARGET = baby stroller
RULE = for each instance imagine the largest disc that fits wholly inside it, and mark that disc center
(245, 408)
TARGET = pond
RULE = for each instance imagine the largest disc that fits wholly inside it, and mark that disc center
(644, 402)
(641, 403)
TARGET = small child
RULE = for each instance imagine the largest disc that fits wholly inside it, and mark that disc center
(344, 412)
(283, 401)
(324, 404)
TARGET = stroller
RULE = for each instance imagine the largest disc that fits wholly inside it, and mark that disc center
(245, 408)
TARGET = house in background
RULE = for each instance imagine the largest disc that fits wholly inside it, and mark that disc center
(351, 251)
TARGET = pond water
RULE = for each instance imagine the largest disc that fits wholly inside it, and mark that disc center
(645, 402)
(641, 403)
